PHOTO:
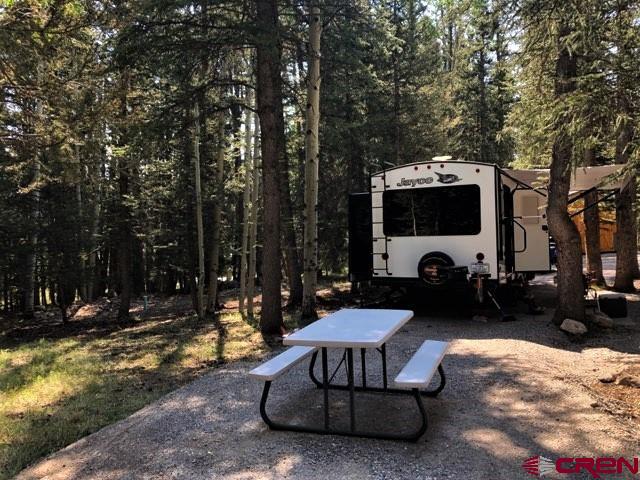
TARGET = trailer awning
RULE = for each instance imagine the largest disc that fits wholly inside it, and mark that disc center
(582, 179)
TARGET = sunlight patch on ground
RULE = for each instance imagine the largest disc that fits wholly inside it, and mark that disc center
(495, 443)
(286, 465)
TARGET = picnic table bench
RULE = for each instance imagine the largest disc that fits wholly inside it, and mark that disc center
(351, 329)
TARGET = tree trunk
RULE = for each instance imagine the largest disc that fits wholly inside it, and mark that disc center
(80, 240)
(96, 275)
(53, 293)
(635, 266)
(93, 254)
(626, 240)
(124, 248)
(36, 284)
(253, 218)
(125, 231)
(200, 308)
(30, 259)
(6, 301)
(291, 253)
(214, 252)
(626, 253)
(483, 117)
(312, 159)
(450, 46)
(236, 227)
(62, 303)
(591, 218)
(269, 100)
(292, 261)
(246, 199)
(564, 231)
(396, 90)
(43, 289)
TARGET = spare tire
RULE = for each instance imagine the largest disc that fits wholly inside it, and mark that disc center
(429, 268)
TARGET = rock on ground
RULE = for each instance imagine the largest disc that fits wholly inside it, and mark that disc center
(573, 327)
(601, 320)
(629, 380)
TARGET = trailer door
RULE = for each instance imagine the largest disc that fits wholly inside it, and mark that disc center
(360, 241)
(507, 230)
(531, 233)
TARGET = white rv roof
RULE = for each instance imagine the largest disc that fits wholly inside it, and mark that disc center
(583, 178)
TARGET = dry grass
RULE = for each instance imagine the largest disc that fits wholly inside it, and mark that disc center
(621, 399)
(57, 389)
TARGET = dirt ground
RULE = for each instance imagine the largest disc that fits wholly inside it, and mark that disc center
(514, 390)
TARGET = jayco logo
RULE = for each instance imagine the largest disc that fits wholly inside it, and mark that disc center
(447, 178)
(412, 182)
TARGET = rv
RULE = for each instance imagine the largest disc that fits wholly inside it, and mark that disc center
(446, 224)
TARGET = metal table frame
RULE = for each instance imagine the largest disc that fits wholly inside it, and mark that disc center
(326, 385)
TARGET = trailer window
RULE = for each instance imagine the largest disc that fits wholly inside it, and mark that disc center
(432, 211)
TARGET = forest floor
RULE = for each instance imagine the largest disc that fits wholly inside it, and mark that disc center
(514, 390)
(619, 389)
(60, 382)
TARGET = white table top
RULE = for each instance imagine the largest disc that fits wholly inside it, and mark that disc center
(351, 328)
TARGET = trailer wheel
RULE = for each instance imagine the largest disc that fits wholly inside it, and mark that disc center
(428, 267)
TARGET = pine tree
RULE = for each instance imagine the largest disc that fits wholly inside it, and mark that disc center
(269, 101)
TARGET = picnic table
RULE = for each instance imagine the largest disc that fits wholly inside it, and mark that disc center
(349, 330)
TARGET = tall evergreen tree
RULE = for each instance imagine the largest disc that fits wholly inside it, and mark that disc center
(270, 110)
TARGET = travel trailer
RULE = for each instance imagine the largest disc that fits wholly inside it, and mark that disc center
(446, 224)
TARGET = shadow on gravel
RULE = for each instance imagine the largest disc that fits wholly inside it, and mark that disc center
(500, 406)
(493, 414)
(457, 318)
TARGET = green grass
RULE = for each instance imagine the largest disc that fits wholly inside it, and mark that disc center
(56, 390)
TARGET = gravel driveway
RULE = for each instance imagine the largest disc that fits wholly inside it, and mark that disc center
(514, 390)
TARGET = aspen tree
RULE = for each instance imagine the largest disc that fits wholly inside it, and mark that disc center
(214, 252)
(246, 199)
(253, 215)
(312, 158)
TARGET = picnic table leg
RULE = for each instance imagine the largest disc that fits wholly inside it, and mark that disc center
(263, 403)
(423, 415)
(312, 374)
(325, 386)
(352, 406)
(363, 352)
(383, 351)
(352, 432)
(443, 381)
